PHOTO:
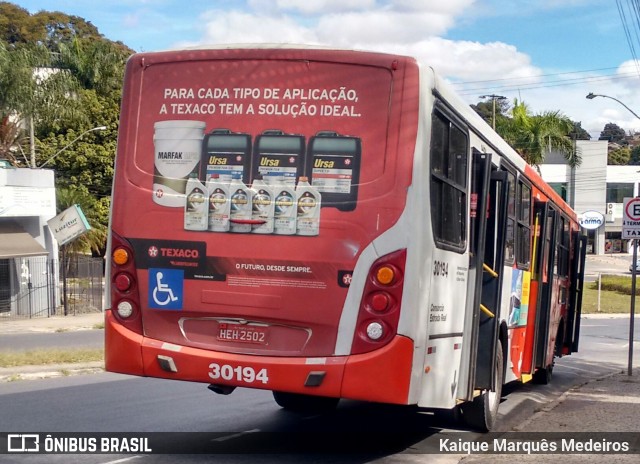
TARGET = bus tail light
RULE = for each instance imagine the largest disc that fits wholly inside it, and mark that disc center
(120, 255)
(125, 297)
(123, 281)
(125, 309)
(380, 305)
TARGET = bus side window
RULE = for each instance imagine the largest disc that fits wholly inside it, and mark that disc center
(449, 160)
(563, 248)
(523, 253)
(510, 240)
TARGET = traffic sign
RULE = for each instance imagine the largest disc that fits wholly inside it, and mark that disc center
(631, 218)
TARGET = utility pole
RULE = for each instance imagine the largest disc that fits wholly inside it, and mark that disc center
(636, 202)
(494, 98)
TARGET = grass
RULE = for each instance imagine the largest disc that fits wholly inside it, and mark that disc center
(55, 356)
(615, 296)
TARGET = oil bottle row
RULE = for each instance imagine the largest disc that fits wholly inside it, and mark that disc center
(272, 206)
(330, 161)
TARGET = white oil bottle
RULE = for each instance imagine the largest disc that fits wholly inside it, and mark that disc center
(219, 204)
(196, 210)
(309, 202)
(285, 213)
(240, 214)
(263, 206)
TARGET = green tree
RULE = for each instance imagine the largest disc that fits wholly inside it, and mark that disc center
(17, 26)
(61, 47)
(86, 164)
(48, 28)
(98, 65)
(11, 139)
(42, 95)
(95, 238)
(619, 156)
(578, 133)
(634, 159)
(485, 109)
(535, 135)
(613, 133)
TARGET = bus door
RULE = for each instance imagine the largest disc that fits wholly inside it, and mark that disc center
(575, 295)
(546, 259)
(487, 253)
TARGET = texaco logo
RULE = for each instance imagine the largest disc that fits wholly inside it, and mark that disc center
(159, 193)
(346, 279)
(153, 251)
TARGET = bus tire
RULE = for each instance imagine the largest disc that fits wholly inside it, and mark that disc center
(481, 413)
(298, 402)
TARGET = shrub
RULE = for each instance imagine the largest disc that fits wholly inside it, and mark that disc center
(615, 283)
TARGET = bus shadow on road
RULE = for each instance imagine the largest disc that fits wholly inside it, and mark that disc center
(360, 428)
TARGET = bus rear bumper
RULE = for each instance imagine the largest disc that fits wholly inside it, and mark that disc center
(382, 376)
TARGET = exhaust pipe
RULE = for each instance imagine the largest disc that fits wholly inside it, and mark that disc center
(221, 389)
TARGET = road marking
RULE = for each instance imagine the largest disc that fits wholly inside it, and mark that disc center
(118, 461)
(235, 435)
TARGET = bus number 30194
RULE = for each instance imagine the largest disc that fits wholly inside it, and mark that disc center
(238, 373)
(440, 268)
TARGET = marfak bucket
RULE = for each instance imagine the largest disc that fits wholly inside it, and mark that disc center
(178, 150)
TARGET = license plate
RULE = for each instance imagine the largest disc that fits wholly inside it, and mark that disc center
(242, 333)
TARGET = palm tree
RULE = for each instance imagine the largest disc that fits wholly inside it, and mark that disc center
(35, 90)
(97, 64)
(12, 139)
(534, 136)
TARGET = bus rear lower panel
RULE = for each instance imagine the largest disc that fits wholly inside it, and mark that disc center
(380, 376)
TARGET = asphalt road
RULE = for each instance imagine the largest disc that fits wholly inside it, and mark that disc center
(606, 264)
(62, 340)
(249, 427)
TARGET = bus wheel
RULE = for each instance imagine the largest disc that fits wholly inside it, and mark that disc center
(481, 413)
(304, 403)
(543, 376)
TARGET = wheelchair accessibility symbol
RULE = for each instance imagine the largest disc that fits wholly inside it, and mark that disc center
(165, 288)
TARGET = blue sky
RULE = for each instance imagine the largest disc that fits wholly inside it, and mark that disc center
(548, 53)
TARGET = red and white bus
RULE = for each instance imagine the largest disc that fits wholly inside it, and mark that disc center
(330, 224)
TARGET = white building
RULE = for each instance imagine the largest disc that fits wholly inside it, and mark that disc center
(28, 250)
(595, 186)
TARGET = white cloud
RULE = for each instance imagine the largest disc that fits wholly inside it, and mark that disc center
(324, 6)
(475, 61)
(239, 27)
(381, 27)
(417, 28)
(321, 7)
(442, 7)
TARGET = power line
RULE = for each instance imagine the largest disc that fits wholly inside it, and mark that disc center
(535, 76)
(625, 26)
(539, 85)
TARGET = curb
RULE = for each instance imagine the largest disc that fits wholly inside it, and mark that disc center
(46, 371)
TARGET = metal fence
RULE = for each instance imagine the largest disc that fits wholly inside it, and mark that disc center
(34, 287)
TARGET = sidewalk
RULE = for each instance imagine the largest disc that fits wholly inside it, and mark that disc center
(607, 407)
(52, 324)
(90, 321)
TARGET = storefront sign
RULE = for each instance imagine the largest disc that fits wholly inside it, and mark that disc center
(69, 225)
(591, 220)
